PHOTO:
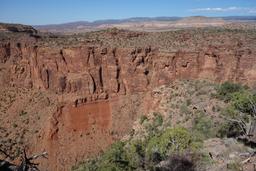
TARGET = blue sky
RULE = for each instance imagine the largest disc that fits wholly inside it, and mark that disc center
(36, 12)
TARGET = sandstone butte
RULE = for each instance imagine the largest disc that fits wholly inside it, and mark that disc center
(100, 90)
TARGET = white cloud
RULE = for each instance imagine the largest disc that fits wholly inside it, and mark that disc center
(252, 11)
(227, 9)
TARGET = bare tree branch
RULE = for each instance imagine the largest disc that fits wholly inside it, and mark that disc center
(26, 164)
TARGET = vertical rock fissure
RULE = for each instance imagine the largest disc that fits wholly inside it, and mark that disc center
(94, 84)
(174, 65)
(47, 78)
(101, 78)
(35, 52)
(63, 57)
(118, 69)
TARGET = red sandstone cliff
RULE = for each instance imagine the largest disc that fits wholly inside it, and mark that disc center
(101, 72)
(100, 89)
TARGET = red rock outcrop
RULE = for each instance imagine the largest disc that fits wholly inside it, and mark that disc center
(100, 72)
(5, 27)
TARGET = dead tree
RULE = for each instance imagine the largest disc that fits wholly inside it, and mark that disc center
(248, 125)
(26, 164)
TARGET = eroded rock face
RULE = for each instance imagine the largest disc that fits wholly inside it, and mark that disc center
(100, 90)
(100, 72)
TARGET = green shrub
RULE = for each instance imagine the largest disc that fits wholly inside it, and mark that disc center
(243, 100)
(109, 167)
(188, 102)
(135, 151)
(158, 120)
(203, 125)
(225, 90)
(240, 108)
(143, 118)
(184, 109)
(114, 159)
(115, 154)
(153, 127)
(171, 140)
(175, 139)
(90, 165)
(141, 155)
(152, 148)
(228, 129)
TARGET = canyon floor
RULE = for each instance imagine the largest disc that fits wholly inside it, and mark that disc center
(73, 95)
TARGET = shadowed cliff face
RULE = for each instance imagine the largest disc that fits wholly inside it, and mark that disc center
(101, 90)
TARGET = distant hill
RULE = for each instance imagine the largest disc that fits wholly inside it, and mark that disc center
(144, 23)
(240, 18)
(93, 25)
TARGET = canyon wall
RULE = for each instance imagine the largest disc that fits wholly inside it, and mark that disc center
(92, 72)
(101, 90)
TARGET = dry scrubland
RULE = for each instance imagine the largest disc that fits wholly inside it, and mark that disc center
(158, 97)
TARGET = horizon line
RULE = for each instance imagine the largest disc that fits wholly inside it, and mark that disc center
(129, 18)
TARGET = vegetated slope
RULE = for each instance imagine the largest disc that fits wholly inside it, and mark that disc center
(97, 84)
(23, 113)
(186, 129)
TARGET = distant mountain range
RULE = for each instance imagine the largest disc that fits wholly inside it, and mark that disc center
(144, 23)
